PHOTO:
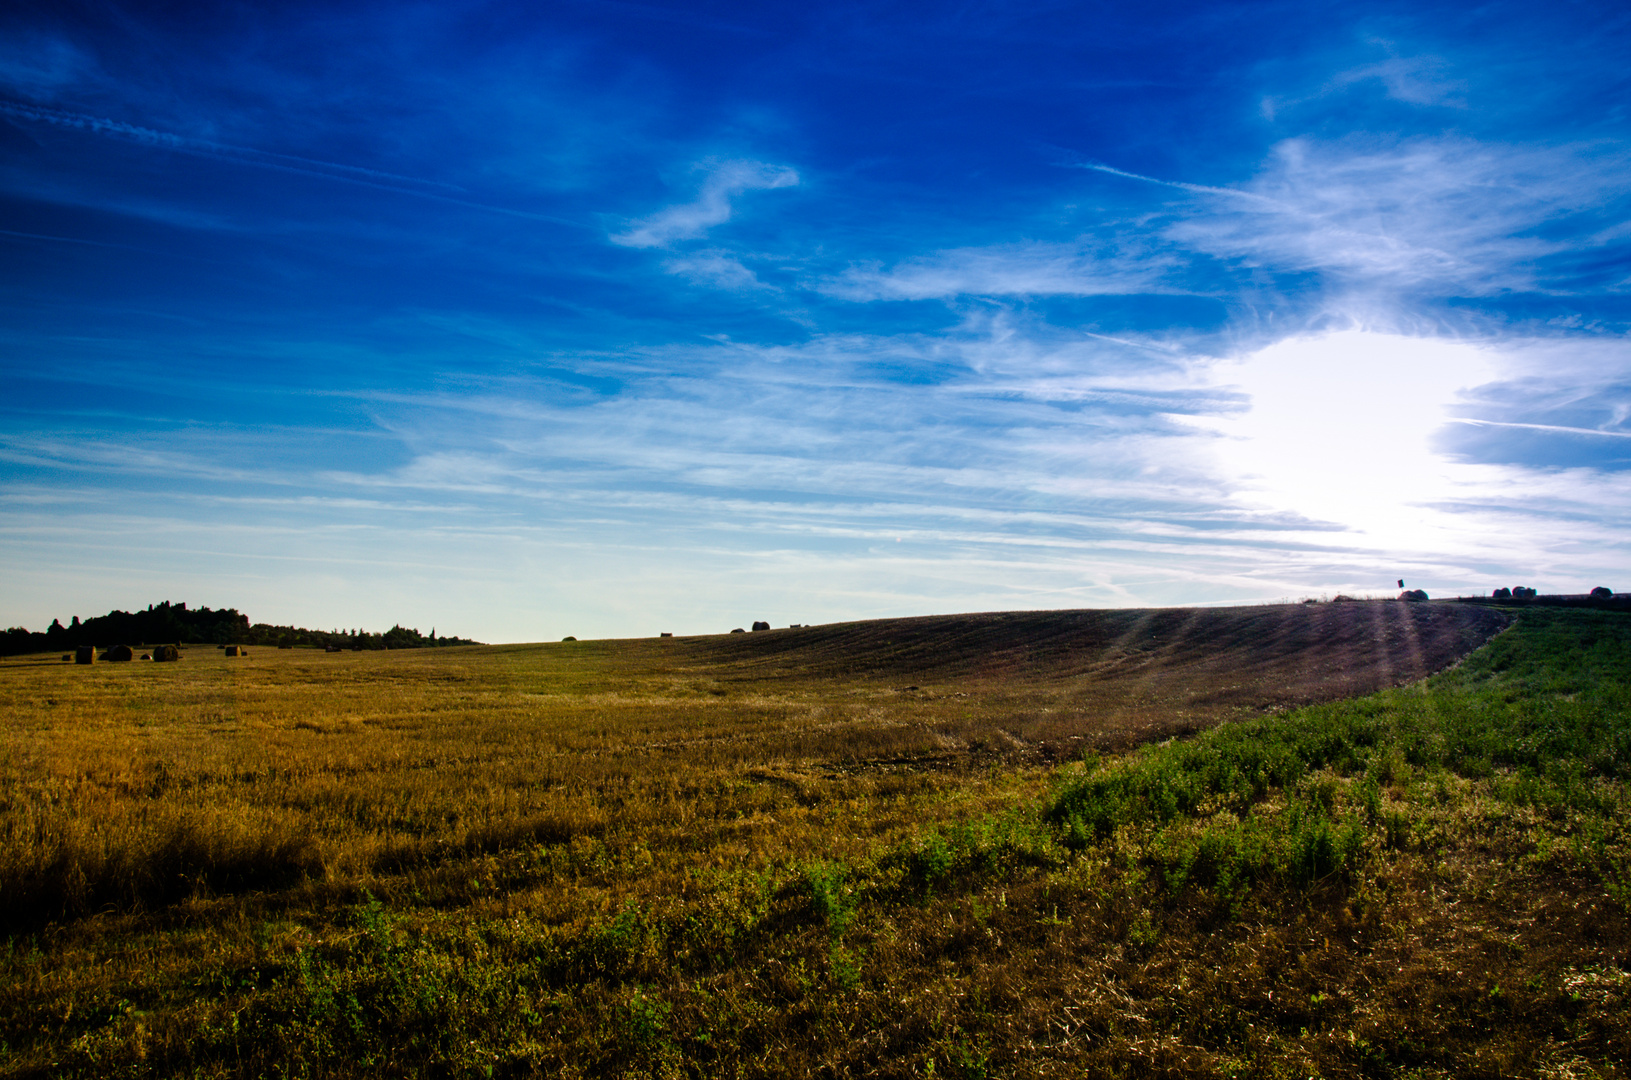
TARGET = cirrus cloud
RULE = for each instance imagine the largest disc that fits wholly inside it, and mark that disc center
(712, 206)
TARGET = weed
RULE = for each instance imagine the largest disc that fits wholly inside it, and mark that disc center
(647, 1018)
(830, 898)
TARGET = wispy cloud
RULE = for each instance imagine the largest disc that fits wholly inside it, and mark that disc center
(1417, 80)
(725, 181)
(1421, 79)
(40, 65)
(1031, 269)
(718, 269)
(1417, 220)
(1449, 216)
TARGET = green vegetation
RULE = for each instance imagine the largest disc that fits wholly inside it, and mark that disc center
(503, 862)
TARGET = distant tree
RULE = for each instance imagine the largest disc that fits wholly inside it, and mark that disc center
(173, 622)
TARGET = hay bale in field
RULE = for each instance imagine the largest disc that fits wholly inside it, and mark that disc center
(665, 633)
(231, 650)
(120, 654)
(1413, 595)
(1602, 592)
(569, 637)
(761, 626)
(1502, 593)
(333, 648)
(739, 630)
(165, 653)
(1523, 592)
(67, 656)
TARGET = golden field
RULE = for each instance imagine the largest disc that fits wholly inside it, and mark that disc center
(834, 850)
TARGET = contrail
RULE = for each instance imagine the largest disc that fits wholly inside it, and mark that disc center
(103, 126)
(1543, 427)
(58, 239)
(1162, 349)
(1179, 184)
(266, 159)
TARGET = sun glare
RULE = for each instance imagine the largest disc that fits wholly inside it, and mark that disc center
(1339, 428)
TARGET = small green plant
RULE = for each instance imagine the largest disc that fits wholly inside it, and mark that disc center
(845, 967)
(830, 897)
(971, 1057)
(647, 1018)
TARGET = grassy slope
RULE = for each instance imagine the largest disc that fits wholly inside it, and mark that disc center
(1431, 880)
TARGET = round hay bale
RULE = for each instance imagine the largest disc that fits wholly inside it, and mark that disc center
(569, 637)
(1602, 592)
(85, 654)
(119, 654)
(761, 626)
(166, 653)
(739, 630)
(231, 650)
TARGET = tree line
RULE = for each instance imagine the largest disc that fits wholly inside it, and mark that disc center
(168, 622)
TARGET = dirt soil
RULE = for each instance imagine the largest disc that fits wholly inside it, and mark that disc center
(1050, 681)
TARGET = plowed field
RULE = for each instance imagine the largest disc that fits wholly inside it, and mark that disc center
(1107, 678)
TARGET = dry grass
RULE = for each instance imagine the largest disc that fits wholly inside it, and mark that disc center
(818, 851)
(132, 787)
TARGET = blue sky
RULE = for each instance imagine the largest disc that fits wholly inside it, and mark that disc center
(606, 318)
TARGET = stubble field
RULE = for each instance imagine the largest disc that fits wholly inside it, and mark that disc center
(899, 847)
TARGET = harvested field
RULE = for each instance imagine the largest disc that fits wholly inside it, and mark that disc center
(870, 848)
(1109, 678)
(142, 786)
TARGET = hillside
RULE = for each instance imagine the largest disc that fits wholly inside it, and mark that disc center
(902, 848)
(1110, 677)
